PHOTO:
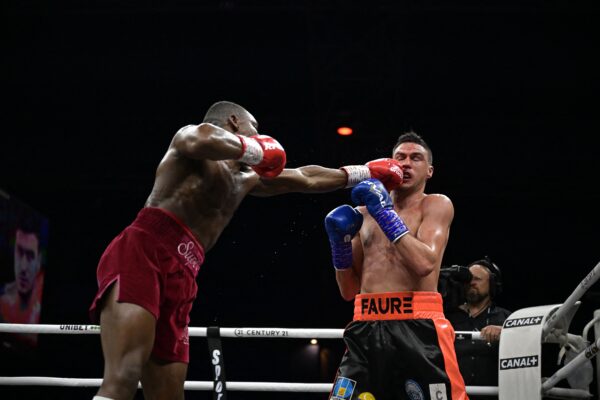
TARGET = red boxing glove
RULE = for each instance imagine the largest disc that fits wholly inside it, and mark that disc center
(386, 170)
(264, 154)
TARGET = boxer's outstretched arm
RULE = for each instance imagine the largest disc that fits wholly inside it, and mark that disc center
(207, 141)
(317, 179)
(308, 179)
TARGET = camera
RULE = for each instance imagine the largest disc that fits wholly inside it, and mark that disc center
(451, 285)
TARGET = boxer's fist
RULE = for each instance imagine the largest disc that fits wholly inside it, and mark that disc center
(273, 160)
(387, 170)
(342, 224)
(373, 195)
(264, 154)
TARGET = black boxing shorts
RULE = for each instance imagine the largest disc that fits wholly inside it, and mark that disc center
(399, 346)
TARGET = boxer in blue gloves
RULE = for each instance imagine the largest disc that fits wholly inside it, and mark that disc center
(387, 254)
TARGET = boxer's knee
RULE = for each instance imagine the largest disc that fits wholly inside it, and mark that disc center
(121, 382)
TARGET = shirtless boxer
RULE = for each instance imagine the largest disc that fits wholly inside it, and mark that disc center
(399, 345)
(146, 276)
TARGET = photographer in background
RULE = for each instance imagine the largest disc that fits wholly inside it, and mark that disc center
(470, 296)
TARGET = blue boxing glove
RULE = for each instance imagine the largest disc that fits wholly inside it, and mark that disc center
(372, 194)
(341, 224)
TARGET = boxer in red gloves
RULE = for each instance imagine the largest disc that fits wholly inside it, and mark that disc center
(146, 276)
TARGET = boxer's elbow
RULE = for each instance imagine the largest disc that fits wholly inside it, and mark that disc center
(423, 268)
(347, 295)
(347, 285)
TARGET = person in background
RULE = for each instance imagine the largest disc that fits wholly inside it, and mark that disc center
(478, 359)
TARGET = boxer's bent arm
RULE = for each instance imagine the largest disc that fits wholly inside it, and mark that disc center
(348, 280)
(207, 141)
(308, 179)
(423, 252)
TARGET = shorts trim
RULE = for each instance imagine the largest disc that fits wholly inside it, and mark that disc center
(398, 306)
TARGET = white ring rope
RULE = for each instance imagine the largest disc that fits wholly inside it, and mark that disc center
(208, 385)
(74, 329)
(570, 304)
(189, 385)
(252, 386)
(290, 333)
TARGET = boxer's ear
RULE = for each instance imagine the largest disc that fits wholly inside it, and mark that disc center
(430, 172)
(233, 122)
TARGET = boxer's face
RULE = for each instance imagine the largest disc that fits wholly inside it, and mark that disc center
(27, 261)
(414, 163)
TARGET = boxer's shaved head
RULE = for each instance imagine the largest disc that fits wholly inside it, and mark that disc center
(220, 111)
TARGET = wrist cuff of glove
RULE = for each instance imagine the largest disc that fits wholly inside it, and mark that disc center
(356, 174)
(391, 224)
(341, 254)
(252, 153)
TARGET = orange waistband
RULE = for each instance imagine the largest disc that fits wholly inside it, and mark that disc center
(398, 305)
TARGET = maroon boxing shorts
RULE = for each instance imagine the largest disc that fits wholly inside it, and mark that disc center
(155, 260)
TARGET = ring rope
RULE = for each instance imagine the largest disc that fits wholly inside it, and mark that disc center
(257, 386)
(208, 385)
(189, 385)
(294, 333)
(289, 333)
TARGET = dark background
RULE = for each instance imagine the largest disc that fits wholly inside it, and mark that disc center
(506, 94)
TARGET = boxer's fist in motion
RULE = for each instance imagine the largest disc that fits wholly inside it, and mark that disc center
(372, 194)
(341, 224)
(386, 170)
(264, 154)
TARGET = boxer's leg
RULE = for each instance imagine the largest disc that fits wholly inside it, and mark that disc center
(127, 336)
(163, 380)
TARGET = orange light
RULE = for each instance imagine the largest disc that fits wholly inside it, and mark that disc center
(344, 131)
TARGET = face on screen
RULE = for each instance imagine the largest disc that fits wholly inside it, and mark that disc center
(27, 260)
